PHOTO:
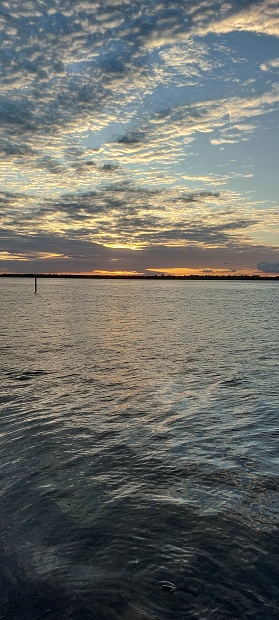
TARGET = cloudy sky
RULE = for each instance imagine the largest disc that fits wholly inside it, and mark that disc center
(139, 136)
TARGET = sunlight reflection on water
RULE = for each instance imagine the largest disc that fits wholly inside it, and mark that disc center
(139, 447)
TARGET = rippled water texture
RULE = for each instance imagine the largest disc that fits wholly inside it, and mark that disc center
(139, 450)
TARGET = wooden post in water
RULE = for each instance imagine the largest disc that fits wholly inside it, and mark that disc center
(35, 285)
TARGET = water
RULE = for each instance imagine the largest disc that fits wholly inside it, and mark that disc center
(139, 450)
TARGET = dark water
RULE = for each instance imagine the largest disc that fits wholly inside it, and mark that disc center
(139, 450)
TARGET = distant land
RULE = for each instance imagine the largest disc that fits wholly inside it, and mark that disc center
(137, 277)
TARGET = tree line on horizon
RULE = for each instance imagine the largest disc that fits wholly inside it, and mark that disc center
(142, 277)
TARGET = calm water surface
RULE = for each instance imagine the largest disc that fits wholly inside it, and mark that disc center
(139, 450)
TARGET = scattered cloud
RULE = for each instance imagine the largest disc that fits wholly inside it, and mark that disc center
(269, 65)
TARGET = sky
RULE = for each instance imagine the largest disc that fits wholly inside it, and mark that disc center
(139, 136)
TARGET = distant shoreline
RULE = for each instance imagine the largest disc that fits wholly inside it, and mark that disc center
(138, 277)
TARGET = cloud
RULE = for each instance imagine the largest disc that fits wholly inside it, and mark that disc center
(74, 70)
(123, 215)
(258, 17)
(38, 254)
(269, 65)
(185, 61)
(267, 267)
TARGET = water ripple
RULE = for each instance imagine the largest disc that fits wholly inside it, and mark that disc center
(139, 454)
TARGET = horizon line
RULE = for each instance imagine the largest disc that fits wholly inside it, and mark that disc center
(141, 276)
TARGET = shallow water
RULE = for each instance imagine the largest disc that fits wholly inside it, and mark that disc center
(139, 450)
